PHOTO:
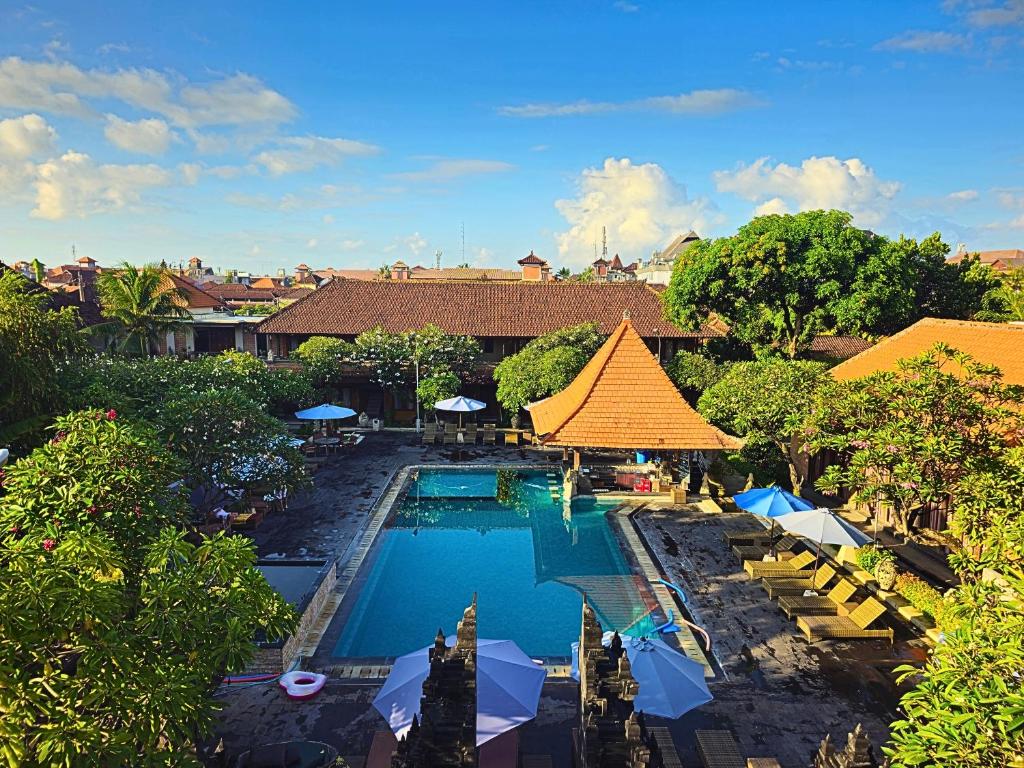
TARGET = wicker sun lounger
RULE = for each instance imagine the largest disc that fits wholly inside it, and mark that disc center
(759, 569)
(430, 434)
(718, 749)
(757, 551)
(795, 585)
(512, 438)
(488, 434)
(470, 437)
(832, 604)
(851, 627)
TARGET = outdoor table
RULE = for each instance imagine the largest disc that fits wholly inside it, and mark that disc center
(327, 443)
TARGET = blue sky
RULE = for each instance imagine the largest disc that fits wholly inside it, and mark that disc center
(258, 136)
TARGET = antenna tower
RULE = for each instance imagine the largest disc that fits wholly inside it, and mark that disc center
(604, 243)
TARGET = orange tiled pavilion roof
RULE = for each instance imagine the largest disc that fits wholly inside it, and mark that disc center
(1000, 344)
(624, 399)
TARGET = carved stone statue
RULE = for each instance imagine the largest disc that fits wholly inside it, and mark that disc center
(856, 754)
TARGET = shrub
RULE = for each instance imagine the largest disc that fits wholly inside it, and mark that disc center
(868, 558)
(921, 595)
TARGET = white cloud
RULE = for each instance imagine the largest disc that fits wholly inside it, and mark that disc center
(311, 243)
(328, 219)
(63, 88)
(73, 185)
(190, 172)
(697, 102)
(775, 205)
(445, 170)
(1008, 14)
(920, 41)
(963, 196)
(818, 182)
(641, 206)
(149, 136)
(303, 153)
(626, 7)
(415, 243)
(26, 136)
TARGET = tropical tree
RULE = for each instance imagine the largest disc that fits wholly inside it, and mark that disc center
(439, 385)
(38, 271)
(227, 438)
(142, 303)
(322, 359)
(36, 345)
(546, 365)
(439, 352)
(693, 373)
(910, 436)
(384, 272)
(766, 402)
(1005, 301)
(114, 630)
(781, 280)
(563, 273)
(966, 707)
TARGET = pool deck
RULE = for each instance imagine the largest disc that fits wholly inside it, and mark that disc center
(779, 694)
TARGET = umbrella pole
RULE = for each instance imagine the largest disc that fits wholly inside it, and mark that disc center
(771, 539)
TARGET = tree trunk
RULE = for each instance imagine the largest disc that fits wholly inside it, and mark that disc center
(795, 478)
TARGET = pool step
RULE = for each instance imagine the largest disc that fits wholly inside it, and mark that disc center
(687, 642)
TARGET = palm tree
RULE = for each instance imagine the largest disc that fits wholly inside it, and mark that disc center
(1005, 302)
(564, 273)
(384, 272)
(143, 302)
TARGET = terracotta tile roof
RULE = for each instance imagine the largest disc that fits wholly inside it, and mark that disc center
(516, 310)
(348, 274)
(624, 399)
(193, 296)
(466, 273)
(1000, 344)
(838, 347)
(532, 258)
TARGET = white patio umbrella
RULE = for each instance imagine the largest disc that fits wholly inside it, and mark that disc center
(823, 526)
(670, 683)
(508, 687)
(460, 405)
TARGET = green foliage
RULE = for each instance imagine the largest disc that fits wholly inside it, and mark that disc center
(440, 352)
(921, 595)
(1004, 302)
(781, 280)
(114, 629)
(912, 435)
(868, 558)
(225, 437)
(259, 310)
(546, 365)
(693, 373)
(36, 345)
(438, 386)
(391, 357)
(323, 358)
(142, 386)
(765, 402)
(142, 303)
(966, 709)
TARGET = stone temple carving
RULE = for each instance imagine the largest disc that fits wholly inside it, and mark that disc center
(445, 734)
(610, 733)
(856, 754)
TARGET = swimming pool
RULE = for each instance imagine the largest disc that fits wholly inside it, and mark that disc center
(506, 536)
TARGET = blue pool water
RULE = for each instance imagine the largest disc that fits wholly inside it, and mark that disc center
(460, 532)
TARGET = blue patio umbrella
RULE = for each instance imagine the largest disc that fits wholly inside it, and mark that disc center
(670, 683)
(460, 405)
(325, 412)
(771, 502)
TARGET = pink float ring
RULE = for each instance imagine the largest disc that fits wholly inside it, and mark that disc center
(299, 685)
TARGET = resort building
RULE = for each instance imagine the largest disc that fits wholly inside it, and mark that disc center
(533, 269)
(503, 317)
(658, 270)
(1000, 260)
(998, 344)
(613, 271)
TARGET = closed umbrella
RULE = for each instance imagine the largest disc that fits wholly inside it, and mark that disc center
(508, 685)
(670, 683)
(824, 527)
(460, 405)
(771, 502)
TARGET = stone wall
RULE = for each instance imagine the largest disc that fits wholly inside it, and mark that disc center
(276, 657)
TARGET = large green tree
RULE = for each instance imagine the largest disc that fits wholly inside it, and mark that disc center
(1004, 302)
(766, 402)
(910, 436)
(114, 630)
(142, 303)
(36, 344)
(781, 280)
(546, 365)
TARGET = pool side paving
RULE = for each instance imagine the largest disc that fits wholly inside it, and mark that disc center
(778, 694)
